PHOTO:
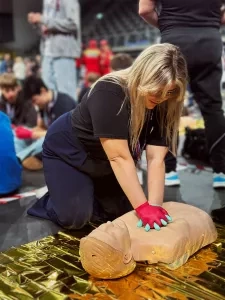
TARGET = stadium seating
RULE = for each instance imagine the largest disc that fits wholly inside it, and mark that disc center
(119, 23)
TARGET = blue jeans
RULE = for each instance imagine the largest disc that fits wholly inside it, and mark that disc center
(59, 74)
(26, 148)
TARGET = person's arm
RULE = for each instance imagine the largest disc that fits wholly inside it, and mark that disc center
(147, 10)
(124, 169)
(156, 173)
(70, 24)
(40, 123)
(223, 14)
(30, 115)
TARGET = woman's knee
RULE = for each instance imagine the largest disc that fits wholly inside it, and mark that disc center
(74, 220)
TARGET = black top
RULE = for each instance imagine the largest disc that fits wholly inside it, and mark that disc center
(104, 114)
(60, 105)
(20, 113)
(189, 13)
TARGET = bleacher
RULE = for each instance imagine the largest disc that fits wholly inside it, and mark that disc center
(120, 24)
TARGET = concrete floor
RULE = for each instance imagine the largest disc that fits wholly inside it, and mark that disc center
(16, 228)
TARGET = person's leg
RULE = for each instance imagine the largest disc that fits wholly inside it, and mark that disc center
(206, 88)
(34, 148)
(20, 144)
(65, 75)
(171, 176)
(205, 73)
(48, 73)
(70, 197)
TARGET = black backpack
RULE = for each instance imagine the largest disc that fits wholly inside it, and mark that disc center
(195, 145)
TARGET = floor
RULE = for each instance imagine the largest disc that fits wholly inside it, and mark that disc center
(17, 228)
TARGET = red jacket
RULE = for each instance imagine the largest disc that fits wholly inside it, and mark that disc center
(105, 61)
(91, 60)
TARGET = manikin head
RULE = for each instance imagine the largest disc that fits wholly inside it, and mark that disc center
(106, 252)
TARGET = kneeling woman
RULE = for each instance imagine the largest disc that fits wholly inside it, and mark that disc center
(89, 154)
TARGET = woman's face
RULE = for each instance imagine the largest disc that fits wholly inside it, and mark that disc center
(154, 99)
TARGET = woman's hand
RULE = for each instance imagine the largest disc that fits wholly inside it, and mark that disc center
(152, 216)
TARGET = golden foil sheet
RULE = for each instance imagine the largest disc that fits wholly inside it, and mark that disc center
(50, 269)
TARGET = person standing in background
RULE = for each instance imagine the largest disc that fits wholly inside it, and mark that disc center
(194, 26)
(91, 58)
(105, 57)
(7, 64)
(60, 44)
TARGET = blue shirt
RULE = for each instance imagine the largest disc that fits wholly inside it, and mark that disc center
(10, 168)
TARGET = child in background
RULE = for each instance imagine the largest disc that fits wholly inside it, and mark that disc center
(11, 170)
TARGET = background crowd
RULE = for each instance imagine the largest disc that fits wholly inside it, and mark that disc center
(37, 90)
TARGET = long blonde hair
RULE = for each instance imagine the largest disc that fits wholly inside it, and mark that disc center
(153, 72)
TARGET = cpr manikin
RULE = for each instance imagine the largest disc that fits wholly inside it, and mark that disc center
(110, 251)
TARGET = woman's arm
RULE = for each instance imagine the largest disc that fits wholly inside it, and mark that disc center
(156, 173)
(147, 10)
(124, 169)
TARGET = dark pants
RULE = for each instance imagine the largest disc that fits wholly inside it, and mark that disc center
(202, 49)
(74, 197)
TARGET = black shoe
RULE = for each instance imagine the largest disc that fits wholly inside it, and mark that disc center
(218, 215)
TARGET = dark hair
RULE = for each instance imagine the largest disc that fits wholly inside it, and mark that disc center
(121, 61)
(92, 77)
(32, 86)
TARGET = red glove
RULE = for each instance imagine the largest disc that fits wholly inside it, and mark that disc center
(23, 133)
(152, 216)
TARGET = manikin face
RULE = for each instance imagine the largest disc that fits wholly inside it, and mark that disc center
(154, 99)
(106, 252)
(10, 94)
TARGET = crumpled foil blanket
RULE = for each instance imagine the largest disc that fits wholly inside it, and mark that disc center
(50, 269)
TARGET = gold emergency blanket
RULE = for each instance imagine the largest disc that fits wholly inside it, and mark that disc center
(50, 269)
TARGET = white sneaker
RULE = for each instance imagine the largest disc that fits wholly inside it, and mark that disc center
(218, 180)
(41, 192)
(172, 179)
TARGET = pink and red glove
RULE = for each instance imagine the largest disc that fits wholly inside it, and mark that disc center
(152, 216)
(23, 133)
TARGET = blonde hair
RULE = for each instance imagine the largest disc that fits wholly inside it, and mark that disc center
(8, 80)
(18, 59)
(152, 73)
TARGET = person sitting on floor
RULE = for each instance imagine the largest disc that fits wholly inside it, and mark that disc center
(14, 104)
(51, 105)
(11, 170)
